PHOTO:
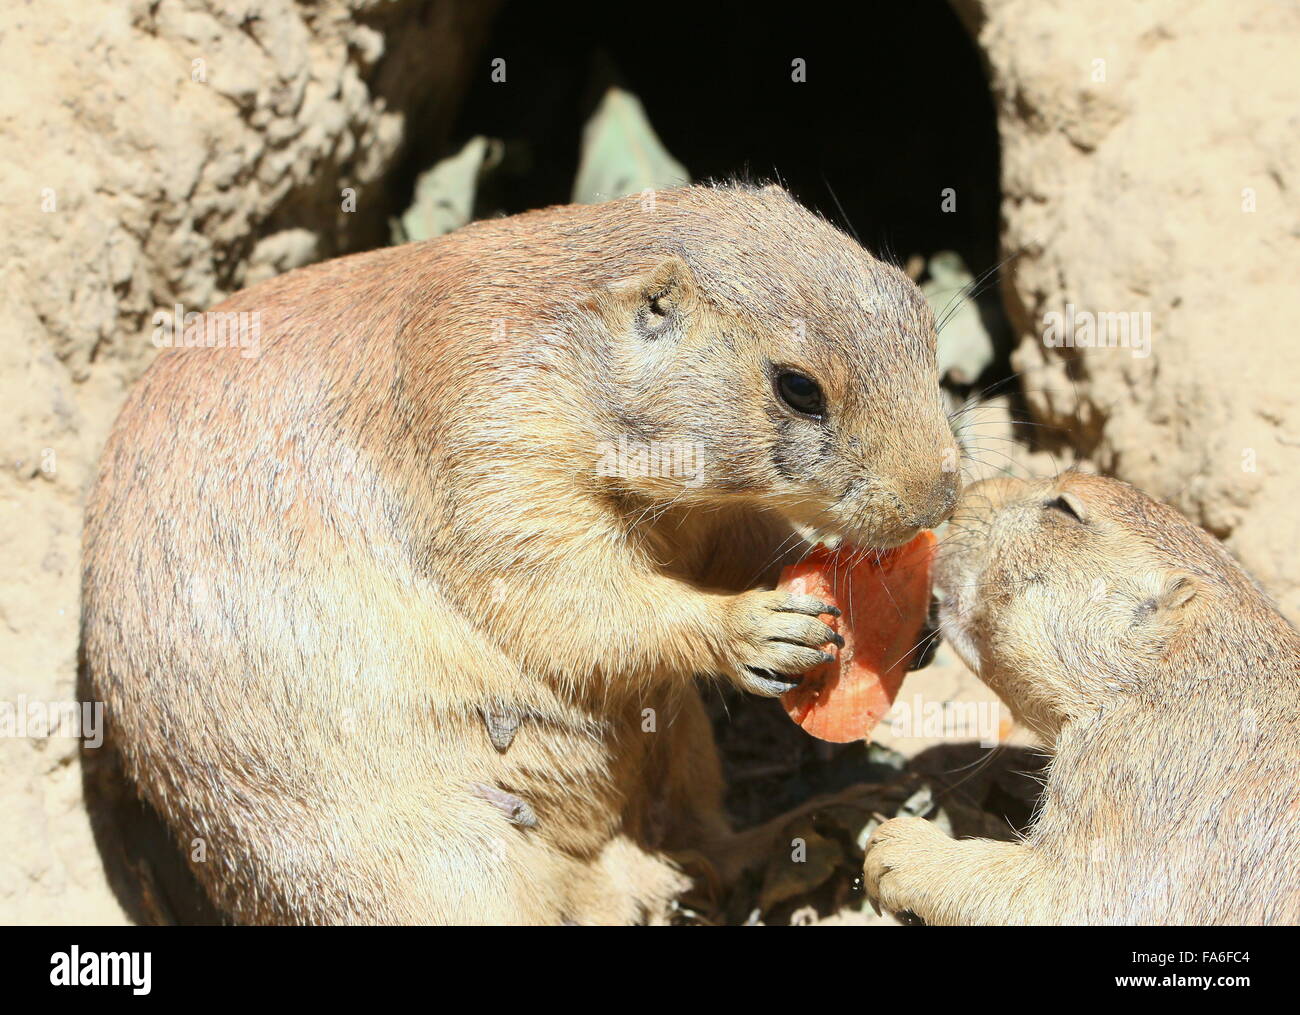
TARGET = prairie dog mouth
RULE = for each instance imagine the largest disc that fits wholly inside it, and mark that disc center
(835, 540)
(813, 536)
(816, 524)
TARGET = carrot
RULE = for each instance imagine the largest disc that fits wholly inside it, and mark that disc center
(884, 599)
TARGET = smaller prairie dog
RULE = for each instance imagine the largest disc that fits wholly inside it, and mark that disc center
(1168, 687)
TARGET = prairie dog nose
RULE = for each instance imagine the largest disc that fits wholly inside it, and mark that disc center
(938, 502)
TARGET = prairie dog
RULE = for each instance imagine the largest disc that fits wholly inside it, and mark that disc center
(400, 619)
(1167, 686)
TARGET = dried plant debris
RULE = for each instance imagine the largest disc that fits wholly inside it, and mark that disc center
(817, 805)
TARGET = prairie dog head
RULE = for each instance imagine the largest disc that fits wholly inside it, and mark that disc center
(762, 355)
(1064, 593)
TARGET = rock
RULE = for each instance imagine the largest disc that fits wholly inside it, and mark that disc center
(1150, 158)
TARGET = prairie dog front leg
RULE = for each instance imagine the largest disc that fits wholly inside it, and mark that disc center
(913, 866)
(609, 616)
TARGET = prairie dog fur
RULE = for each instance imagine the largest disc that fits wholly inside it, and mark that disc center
(373, 623)
(1167, 686)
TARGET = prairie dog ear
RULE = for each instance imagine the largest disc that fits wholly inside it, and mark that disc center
(1073, 504)
(660, 295)
(1179, 589)
(1176, 590)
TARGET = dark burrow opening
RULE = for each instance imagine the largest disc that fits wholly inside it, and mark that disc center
(891, 133)
(895, 109)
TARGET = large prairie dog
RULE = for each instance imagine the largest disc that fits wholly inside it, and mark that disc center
(393, 621)
(1168, 687)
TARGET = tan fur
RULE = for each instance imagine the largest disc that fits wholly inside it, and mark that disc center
(310, 576)
(1166, 684)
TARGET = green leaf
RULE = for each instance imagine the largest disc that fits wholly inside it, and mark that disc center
(444, 195)
(965, 348)
(621, 154)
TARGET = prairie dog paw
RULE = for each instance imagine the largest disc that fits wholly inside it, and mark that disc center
(776, 637)
(896, 857)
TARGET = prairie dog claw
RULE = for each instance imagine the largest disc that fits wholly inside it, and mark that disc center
(501, 726)
(516, 810)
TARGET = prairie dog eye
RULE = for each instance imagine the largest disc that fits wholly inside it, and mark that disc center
(800, 393)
